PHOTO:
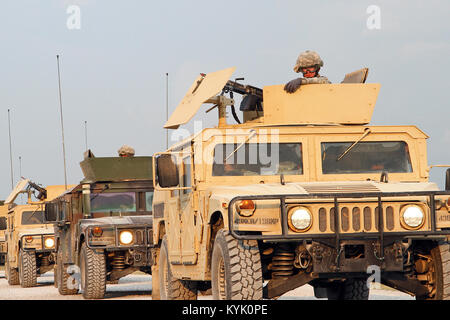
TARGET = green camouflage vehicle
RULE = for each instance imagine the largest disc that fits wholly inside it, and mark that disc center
(104, 225)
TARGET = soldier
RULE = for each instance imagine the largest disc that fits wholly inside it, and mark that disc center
(309, 63)
(126, 151)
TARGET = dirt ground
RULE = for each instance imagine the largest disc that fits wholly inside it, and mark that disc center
(138, 286)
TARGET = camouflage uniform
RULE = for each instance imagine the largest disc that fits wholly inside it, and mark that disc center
(126, 151)
(316, 80)
(306, 59)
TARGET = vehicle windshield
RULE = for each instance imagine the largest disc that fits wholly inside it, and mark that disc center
(366, 157)
(255, 159)
(113, 202)
(33, 217)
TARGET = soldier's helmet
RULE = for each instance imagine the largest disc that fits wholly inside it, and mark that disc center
(126, 151)
(308, 59)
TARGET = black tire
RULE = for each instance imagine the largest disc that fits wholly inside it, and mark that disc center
(12, 274)
(236, 272)
(67, 284)
(351, 289)
(440, 273)
(93, 273)
(27, 269)
(170, 287)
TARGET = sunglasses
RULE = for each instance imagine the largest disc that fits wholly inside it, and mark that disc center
(308, 70)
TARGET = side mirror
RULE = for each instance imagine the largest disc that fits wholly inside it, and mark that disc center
(447, 180)
(51, 212)
(167, 171)
(3, 224)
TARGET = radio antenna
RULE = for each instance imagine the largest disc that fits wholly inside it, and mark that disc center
(10, 151)
(62, 122)
(85, 134)
(167, 108)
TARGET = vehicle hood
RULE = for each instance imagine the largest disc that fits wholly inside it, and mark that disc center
(36, 231)
(226, 193)
(119, 221)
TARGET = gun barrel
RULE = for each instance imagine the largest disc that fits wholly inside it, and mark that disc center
(243, 89)
(42, 191)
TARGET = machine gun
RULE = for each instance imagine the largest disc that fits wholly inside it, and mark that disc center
(42, 191)
(252, 96)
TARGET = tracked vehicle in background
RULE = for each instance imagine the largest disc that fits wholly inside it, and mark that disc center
(304, 190)
(103, 225)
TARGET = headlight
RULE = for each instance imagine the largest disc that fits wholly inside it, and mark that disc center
(300, 219)
(49, 243)
(125, 237)
(413, 217)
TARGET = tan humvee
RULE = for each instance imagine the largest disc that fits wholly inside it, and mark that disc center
(30, 242)
(3, 217)
(303, 191)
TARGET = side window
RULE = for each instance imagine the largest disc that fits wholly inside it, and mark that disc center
(186, 179)
(149, 200)
(62, 210)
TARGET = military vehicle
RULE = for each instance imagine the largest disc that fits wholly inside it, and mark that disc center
(104, 225)
(303, 191)
(3, 225)
(29, 240)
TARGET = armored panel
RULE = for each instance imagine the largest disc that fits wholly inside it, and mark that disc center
(116, 168)
(358, 76)
(55, 191)
(203, 88)
(321, 104)
(20, 186)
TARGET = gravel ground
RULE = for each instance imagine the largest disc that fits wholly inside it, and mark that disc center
(138, 286)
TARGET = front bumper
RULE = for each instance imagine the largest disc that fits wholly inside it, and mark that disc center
(38, 242)
(382, 248)
(139, 249)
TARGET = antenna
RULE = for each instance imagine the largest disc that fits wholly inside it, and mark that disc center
(10, 152)
(85, 134)
(167, 108)
(20, 166)
(20, 175)
(62, 122)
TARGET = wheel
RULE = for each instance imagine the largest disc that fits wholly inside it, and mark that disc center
(170, 287)
(55, 276)
(27, 269)
(351, 289)
(236, 272)
(67, 284)
(11, 274)
(438, 274)
(93, 273)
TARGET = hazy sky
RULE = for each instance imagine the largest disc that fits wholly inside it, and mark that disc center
(113, 68)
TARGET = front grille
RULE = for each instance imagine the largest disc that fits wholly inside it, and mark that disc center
(351, 220)
(139, 237)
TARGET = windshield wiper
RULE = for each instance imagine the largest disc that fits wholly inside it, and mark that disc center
(251, 134)
(366, 132)
(106, 187)
(32, 214)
